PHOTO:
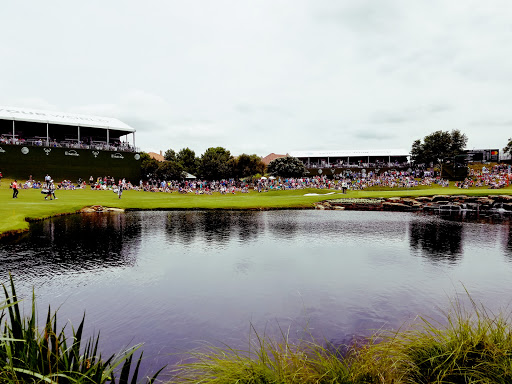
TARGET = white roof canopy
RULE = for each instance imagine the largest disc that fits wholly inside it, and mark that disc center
(62, 118)
(351, 153)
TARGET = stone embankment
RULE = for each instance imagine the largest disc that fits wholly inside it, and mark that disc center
(100, 208)
(438, 202)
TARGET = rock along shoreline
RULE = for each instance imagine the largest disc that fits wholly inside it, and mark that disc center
(450, 203)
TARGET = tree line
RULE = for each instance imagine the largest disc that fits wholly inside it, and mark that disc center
(216, 163)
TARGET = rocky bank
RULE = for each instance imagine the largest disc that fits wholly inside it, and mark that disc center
(502, 203)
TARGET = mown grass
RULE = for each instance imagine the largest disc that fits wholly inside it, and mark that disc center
(31, 204)
(471, 346)
(51, 355)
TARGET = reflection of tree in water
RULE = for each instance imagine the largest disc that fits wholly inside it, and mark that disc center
(508, 244)
(182, 226)
(185, 227)
(285, 227)
(72, 243)
(216, 227)
(439, 240)
(250, 225)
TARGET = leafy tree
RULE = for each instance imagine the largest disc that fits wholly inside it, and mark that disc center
(170, 155)
(288, 166)
(148, 166)
(214, 165)
(508, 148)
(438, 146)
(188, 160)
(246, 165)
(170, 170)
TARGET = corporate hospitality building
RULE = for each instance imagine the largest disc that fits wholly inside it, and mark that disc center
(343, 161)
(65, 145)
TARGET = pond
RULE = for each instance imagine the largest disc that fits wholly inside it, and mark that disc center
(176, 280)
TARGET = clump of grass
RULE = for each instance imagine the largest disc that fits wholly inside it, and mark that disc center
(266, 361)
(28, 355)
(471, 346)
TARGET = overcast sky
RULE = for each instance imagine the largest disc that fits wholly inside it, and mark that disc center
(261, 76)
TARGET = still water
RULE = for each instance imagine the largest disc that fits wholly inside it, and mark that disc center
(176, 280)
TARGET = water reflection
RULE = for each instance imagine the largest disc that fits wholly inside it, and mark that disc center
(169, 279)
(250, 225)
(286, 228)
(437, 240)
(216, 228)
(182, 227)
(508, 243)
(72, 244)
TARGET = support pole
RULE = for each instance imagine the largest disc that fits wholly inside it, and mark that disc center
(108, 138)
(12, 132)
(78, 135)
(133, 140)
(47, 136)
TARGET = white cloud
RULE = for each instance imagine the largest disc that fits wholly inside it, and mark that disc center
(267, 76)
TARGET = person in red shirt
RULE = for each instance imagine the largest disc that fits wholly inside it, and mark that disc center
(15, 189)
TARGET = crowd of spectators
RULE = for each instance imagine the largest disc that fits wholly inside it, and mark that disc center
(354, 181)
(495, 177)
(115, 145)
(498, 176)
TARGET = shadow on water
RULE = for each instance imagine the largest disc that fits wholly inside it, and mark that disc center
(75, 243)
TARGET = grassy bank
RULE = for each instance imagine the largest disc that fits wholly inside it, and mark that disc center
(472, 346)
(31, 204)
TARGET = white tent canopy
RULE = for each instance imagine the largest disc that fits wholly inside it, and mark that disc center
(62, 118)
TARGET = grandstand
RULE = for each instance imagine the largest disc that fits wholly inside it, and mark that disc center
(318, 162)
(36, 142)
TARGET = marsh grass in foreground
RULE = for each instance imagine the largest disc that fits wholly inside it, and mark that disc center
(30, 356)
(471, 346)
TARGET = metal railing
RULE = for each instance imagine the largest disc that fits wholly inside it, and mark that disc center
(55, 144)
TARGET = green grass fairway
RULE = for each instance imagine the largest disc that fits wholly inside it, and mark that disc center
(30, 203)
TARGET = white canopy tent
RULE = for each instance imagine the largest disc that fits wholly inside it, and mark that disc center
(66, 119)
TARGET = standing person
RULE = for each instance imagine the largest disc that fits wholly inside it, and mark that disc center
(15, 189)
(120, 188)
(91, 181)
(344, 186)
(52, 190)
(47, 179)
(1, 177)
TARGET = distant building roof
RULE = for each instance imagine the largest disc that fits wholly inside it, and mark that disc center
(267, 159)
(156, 156)
(349, 153)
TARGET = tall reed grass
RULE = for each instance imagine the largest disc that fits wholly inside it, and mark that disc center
(470, 346)
(30, 355)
